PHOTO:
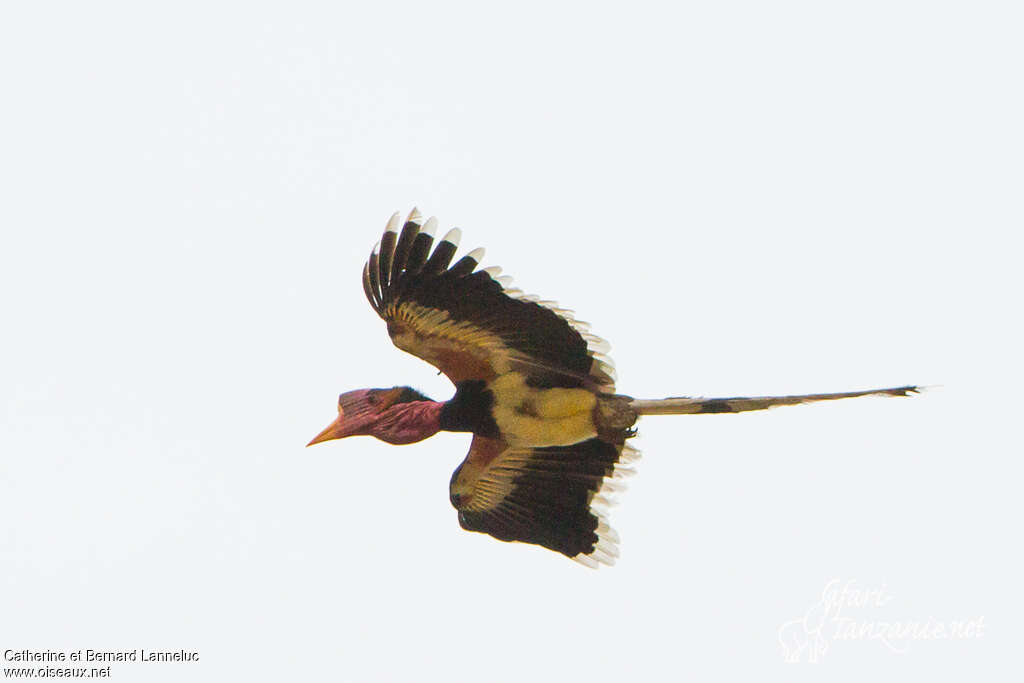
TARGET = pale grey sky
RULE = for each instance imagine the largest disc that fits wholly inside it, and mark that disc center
(743, 198)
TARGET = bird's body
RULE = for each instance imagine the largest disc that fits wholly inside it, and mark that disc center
(533, 386)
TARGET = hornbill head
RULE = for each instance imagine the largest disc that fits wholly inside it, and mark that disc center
(373, 412)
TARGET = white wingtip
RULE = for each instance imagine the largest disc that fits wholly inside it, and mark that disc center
(623, 472)
(606, 531)
(597, 344)
(430, 227)
(414, 216)
(629, 455)
(477, 254)
(454, 236)
(393, 223)
(606, 550)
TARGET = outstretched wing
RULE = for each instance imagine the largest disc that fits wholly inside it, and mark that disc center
(554, 497)
(467, 322)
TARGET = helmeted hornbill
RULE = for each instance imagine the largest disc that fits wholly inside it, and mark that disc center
(532, 385)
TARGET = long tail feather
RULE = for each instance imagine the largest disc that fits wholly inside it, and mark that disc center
(692, 406)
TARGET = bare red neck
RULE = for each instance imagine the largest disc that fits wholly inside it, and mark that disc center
(410, 422)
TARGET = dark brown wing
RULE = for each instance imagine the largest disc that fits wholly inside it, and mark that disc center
(553, 497)
(467, 322)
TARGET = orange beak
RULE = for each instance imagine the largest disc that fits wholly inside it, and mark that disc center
(356, 414)
(336, 430)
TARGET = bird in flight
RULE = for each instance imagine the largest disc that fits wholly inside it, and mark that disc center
(532, 385)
